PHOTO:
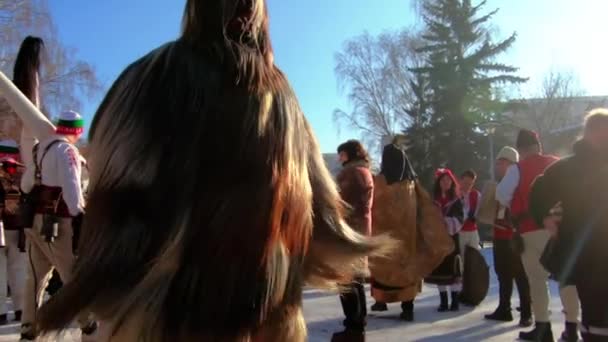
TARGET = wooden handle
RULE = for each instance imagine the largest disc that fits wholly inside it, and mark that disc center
(36, 122)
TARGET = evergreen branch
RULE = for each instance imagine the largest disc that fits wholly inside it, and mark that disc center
(496, 67)
(501, 79)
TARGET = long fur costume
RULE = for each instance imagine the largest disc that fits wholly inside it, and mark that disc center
(407, 212)
(210, 205)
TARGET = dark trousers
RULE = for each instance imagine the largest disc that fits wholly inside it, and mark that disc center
(508, 267)
(593, 293)
(354, 306)
(407, 306)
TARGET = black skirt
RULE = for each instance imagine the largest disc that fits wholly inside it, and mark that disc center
(449, 272)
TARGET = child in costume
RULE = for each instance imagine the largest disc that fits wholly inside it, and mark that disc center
(448, 276)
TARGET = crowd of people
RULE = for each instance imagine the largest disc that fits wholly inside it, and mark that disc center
(527, 207)
(222, 254)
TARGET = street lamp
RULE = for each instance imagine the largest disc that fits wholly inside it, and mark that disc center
(490, 130)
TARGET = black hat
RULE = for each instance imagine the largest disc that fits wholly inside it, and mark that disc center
(527, 138)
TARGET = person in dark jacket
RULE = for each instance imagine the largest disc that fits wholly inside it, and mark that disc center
(356, 186)
(570, 200)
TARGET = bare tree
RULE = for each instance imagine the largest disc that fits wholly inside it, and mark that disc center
(375, 71)
(552, 109)
(66, 81)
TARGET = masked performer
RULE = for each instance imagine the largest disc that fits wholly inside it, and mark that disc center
(404, 209)
(12, 260)
(223, 254)
(448, 276)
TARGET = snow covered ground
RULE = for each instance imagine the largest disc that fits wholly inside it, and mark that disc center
(324, 316)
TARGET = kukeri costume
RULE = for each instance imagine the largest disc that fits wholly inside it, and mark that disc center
(401, 208)
(246, 227)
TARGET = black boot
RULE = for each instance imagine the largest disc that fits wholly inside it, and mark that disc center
(571, 332)
(349, 335)
(18, 314)
(3, 319)
(443, 307)
(501, 315)
(379, 306)
(541, 333)
(407, 313)
(525, 320)
(455, 301)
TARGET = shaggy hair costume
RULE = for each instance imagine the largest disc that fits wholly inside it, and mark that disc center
(210, 205)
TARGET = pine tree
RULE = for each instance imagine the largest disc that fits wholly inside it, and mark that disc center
(463, 76)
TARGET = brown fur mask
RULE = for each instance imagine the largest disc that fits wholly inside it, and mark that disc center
(210, 205)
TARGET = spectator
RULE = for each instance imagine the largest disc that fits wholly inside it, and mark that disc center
(357, 189)
(513, 191)
(507, 263)
(570, 201)
(471, 198)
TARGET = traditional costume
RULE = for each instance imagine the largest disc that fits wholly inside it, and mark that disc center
(401, 208)
(513, 191)
(448, 275)
(507, 262)
(469, 234)
(223, 254)
(12, 256)
(54, 177)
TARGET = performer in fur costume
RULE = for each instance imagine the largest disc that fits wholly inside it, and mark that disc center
(448, 276)
(405, 210)
(223, 254)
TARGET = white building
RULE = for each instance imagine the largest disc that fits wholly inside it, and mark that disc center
(558, 121)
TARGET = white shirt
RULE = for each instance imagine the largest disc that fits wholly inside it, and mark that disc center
(507, 186)
(62, 168)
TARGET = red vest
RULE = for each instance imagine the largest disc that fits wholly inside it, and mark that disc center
(471, 226)
(529, 169)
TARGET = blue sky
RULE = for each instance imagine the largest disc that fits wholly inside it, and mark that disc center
(559, 34)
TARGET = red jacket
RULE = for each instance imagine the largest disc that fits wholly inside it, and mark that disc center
(357, 189)
(529, 169)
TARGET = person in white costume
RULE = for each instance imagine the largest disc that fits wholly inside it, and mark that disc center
(60, 202)
(55, 170)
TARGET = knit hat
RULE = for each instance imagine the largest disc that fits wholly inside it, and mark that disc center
(70, 123)
(508, 153)
(527, 138)
(9, 149)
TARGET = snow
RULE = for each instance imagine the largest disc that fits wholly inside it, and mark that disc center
(324, 316)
